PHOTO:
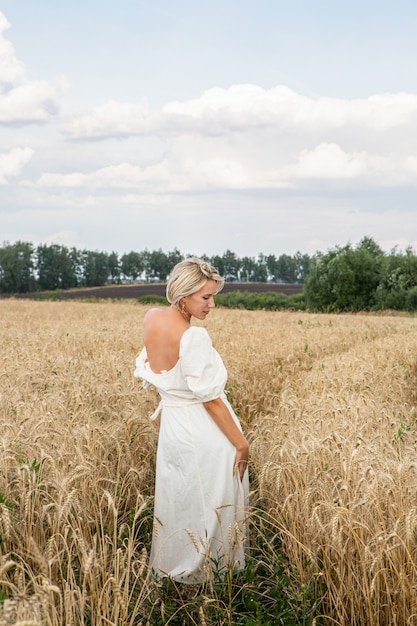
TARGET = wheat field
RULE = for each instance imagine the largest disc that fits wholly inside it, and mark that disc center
(328, 403)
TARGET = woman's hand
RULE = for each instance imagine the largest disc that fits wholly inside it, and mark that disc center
(221, 415)
(241, 460)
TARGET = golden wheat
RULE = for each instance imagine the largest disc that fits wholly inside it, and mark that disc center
(329, 403)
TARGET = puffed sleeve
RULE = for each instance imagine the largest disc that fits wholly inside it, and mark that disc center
(141, 370)
(202, 367)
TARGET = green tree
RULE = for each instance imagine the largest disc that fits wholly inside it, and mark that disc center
(174, 257)
(271, 266)
(17, 268)
(218, 262)
(302, 266)
(411, 299)
(114, 268)
(247, 269)
(132, 265)
(95, 268)
(158, 265)
(47, 267)
(76, 258)
(344, 279)
(261, 270)
(231, 266)
(286, 269)
(398, 277)
(54, 265)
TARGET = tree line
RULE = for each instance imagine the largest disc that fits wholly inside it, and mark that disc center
(25, 268)
(345, 278)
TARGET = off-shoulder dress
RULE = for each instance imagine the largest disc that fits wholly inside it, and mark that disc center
(201, 506)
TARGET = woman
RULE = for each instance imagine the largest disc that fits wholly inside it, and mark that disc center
(202, 482)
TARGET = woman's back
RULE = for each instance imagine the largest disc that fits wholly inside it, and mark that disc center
(163, 329)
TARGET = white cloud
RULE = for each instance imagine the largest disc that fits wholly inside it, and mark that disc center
(184, 170)
(249, 138)
(282, 103)
(122, 176)
(11, 69)
(11, 163)
(33, 101)
(170, 175)
(245, 107)
(110, 119)
(22, 100)
(329, 162)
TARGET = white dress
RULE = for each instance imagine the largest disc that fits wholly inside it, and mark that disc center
(200, 504)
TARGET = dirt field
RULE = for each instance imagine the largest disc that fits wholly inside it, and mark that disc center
(144, 289)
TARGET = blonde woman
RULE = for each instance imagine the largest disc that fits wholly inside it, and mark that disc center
(202, 485)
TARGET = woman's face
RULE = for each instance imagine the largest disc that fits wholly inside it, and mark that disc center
(201, 302)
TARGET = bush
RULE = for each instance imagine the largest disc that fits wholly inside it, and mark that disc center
(345, 278)
(152, 298)
(411, 299)
(387, 299)
(267, 301)
(48, 295)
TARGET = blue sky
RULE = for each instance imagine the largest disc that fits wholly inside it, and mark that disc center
(264, 126)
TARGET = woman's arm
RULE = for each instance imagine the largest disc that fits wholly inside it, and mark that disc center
(219, 412)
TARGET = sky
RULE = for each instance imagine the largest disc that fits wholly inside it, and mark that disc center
(256, 126)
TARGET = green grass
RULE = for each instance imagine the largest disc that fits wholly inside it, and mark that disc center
(268, 592)
(267, 301)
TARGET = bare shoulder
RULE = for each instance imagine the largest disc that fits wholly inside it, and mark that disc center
(163, 321)
(152, 314)
(157, 316)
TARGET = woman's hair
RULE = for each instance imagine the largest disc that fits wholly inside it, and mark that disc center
(189, 276)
